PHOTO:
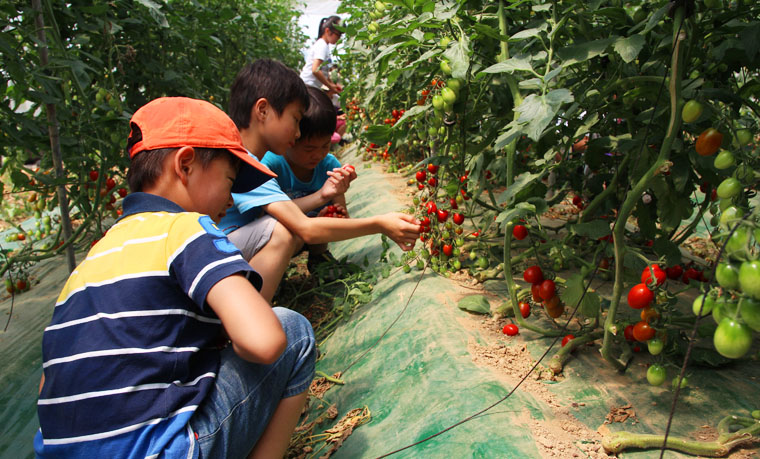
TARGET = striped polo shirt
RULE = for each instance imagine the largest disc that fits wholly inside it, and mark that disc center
(132, 347)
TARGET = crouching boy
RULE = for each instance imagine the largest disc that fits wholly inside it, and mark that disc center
(159, 344)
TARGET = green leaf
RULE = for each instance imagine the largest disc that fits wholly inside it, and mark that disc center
(475, 303)
(540, 111)
(629, 47)
(582, 52)
(528, 33)
(378, 134)
(521, 62)
(515, 130)
(521, 181)
(572, 293)
(664, 247)
(155, 11)
(593, 229)
(386, 51)
(458, 56)
(414, 111)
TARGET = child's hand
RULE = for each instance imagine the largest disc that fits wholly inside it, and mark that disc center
(404, 229)
(351, 171)
(336, 184)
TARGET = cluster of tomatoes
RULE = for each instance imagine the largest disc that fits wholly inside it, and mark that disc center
(543, 291)
(354, 111)
(375, 151)
(642, 296)
(395, 115)
(21, 285)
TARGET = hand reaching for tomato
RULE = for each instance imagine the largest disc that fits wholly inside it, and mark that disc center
(403, 229)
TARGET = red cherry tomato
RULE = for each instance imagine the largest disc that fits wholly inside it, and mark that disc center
(709, 142)
(122, 192)
(534, 290)
(110, 183)
(519, 232)
(458, 219)
(566, 339)
(533, 275)
(94, 175)
(432, 168)
(674, 272)
(443, 215)
(510, 330)
(448, 249)
(431, 207)
(432, 181)
(420, 176)
(659, 275)
(642, 331)
(547, 289)
(524, 309)
(628, 333)
(640, 296)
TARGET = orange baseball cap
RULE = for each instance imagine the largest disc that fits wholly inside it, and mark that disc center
(175, 122)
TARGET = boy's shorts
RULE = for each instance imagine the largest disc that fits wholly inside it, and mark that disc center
(251, 238)
(245, 395)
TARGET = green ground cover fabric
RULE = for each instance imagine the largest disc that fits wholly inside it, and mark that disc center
(420, 377)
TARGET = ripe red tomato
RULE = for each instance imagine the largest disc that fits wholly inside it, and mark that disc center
(431, 207)
(649, 314)
(458, 218)
(640, 296)
(534, 291)
(432, 168)
(510, 330)
(93, 175)
(524, 309)
(21, 236)
(709, 142)
(628, 333)
(659, 275)
(642, 332)
(421, 176)
(567, 339)
(432, 181)
(349, 168)
(519, 232)
(453, 203)
(674, 272)
(443, 215)
(448, 249)
(122, 192)
(21, 285)
(577, 201)
(110, 183)
(533, 275)
(547, 289)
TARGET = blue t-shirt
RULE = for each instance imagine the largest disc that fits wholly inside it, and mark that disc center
(290, 184)
(247, 206)
(132, 350)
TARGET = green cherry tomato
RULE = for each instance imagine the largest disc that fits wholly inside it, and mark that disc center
(407, 268)
(449, 96)
(724, 160)
(445, 68)
(707, 308)
(438, 102)
(444, 42)
(749, 278)
(691, 111)
(732, 339)
(743, 137)
(729, 188)
(736, 245)
(749, 310)
(730, 215)
(454, 84)
(745, 174)
(684, 383)
(756, 414)
(727, 274)
(724, 308)
(656, 374)
(655, 346)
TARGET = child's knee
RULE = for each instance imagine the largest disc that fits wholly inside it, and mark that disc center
(299, 331)
(282, 237)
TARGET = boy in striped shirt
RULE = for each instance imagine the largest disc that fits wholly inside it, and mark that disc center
(132, 361)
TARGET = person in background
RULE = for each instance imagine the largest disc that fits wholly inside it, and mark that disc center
(319, 58)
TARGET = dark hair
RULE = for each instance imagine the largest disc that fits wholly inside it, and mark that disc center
(320, 119)
(147, 166)
(329, 23)
(268, 79)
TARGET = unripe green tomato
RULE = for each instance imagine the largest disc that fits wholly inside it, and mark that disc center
(729, 188)
(455, 84)
(724, 307)
(724, 204)
(407, 268)
(444, 42)
(442, 130)
(743, 137)
(373, 15)
(656, 374)
(655, 346)
(445, 68)
(749, 309)
(432, 131)
(684, 383)
(473, 256)
(691, 111)
(714, 220)
(449, 96)
(727, 274)
(420, 265)
(744, 174)
(456, 252)
(724, 160)
(438, 102)
(730, 215)
(732, 339)
(736, 246)
(380, 6)
(707, 308)
(373, 26)
(749, 273)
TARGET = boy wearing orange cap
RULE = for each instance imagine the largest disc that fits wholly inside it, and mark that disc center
(159, 345)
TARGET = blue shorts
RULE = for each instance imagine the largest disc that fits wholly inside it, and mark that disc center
(235, 413)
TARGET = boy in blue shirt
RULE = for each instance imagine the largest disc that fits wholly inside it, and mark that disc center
(304, 167)
(267, 102)
(159, 345)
